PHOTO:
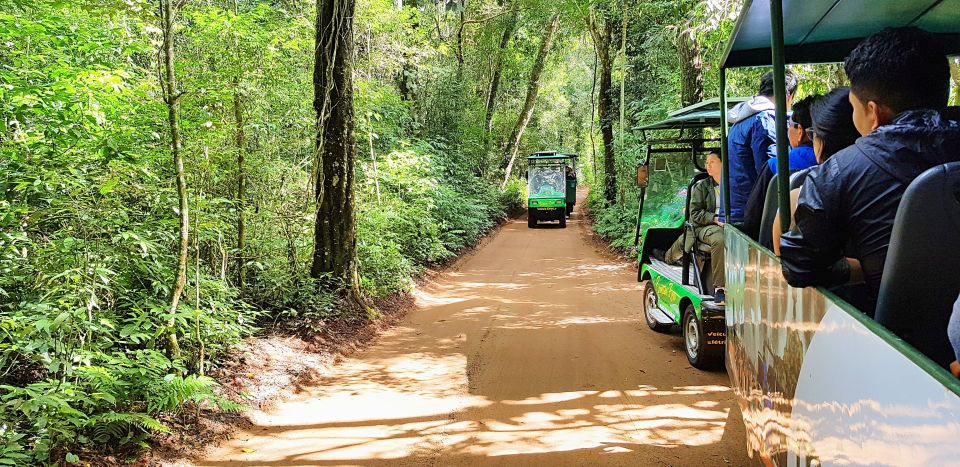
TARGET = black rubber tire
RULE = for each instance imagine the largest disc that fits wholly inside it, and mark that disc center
(650, 294)
(699, 354)
(531, 220)
(563, 221)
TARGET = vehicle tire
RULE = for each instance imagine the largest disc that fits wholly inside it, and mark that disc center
(531, 220)
(563, 221)
(699, 354)
(649, 301)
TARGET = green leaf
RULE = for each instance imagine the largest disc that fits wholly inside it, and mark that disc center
(72, 458)
(109, 186)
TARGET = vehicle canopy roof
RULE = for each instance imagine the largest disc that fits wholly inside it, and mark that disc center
(705, 114)
(826, 31)
(551, 155)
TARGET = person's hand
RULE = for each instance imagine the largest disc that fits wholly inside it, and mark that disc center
(955, 369)
(856, 271)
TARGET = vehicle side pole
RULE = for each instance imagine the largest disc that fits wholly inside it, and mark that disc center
(643, 192)
(723, 142)
(780, 102)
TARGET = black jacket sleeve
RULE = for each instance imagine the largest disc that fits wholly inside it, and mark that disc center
(812, 255)
(753, 213)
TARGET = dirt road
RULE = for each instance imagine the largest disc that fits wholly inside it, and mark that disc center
(532, 352)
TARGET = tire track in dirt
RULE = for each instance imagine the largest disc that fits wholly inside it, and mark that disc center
(531, 352)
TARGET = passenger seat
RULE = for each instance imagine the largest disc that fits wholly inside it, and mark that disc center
(920, 277)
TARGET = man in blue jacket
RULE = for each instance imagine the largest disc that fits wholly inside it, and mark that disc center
(752, 141)
(899, 85)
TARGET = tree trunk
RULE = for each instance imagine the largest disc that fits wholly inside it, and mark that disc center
(593, 117)
(463, 18)
(691, 68)
(172, 98)
(513, 144)
(955, 75)
(602, 38)
(334, 251)
(508, 30)
(241, 142)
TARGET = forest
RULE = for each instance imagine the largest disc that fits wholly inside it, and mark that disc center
(177, 176)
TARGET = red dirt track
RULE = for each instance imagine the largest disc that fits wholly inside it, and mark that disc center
(531, 352)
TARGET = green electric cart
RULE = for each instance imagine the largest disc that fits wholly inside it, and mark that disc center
(552, 187)
(679, 294)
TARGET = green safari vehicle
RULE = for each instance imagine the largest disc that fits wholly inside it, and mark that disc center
(681, 294)
(552, 187)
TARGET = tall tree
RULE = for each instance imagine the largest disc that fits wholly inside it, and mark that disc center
(240, 141)
(955, 75)
(509, 28)
(513, 144)
(691, 66)
(601, 30)
(335, 247)
(172, 98)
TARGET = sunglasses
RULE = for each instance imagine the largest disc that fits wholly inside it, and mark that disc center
(810, 133)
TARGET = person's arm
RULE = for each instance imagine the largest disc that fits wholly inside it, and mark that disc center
(763, 140)
(812, 253)
(777, 233)
(700, 214)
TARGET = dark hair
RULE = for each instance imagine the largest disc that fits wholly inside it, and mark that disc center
(801, 111)
(766, 84)
(901, 68)
(832, 117)
(715, 152)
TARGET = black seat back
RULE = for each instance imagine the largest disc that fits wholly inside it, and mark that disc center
(920, 277)
(771, 207)
(797, 178)
(690, 238)
(769, 213)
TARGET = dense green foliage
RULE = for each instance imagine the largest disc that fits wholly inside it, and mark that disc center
(88, 223)
(88, 200)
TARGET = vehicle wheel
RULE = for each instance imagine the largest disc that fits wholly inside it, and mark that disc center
(699, 354)
(649, 303)
(563, 222)
(531, 220)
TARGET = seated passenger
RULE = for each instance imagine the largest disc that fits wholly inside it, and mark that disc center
(752, 142)
(899, 88)
(704, 215)
(831, 130)
(801, 157)
(953, 330)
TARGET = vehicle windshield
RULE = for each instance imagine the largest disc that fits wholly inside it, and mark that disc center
(546, 182)
(666, 192)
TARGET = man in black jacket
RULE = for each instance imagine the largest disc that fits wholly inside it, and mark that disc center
(899, 89)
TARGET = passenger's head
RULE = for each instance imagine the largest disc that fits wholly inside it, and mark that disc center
(766, 85)
(714, 165)
(832, 119)
(800, 121)
(893, 71)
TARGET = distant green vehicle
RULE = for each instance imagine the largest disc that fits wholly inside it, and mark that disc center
(552, 187)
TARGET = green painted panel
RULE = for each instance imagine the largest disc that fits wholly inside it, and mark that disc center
(854, 19)
(821, 31)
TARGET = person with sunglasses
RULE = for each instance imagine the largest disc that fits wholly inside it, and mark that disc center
(801, 157)
(831, 129)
